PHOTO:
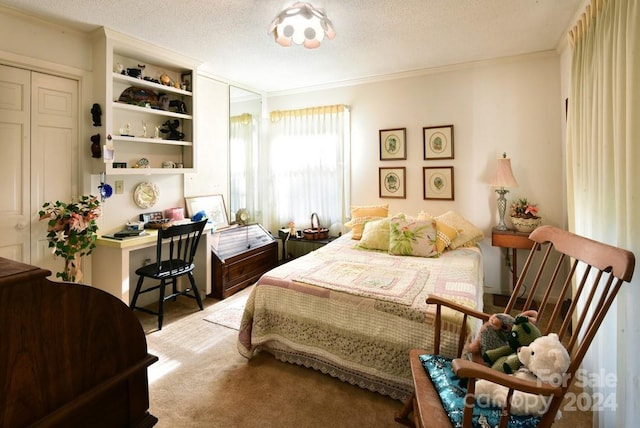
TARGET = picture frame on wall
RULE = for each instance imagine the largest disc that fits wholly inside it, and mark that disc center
(438, 183)
(392, 182)
(438, 142)
(393, 144)
(212, 205)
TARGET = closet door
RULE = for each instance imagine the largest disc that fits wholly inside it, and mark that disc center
(54, 155)
(15, 215)
(39, 148)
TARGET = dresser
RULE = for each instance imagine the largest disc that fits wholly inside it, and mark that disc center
(240, 255)
(70, 355)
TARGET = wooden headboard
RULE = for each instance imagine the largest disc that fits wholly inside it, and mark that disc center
(70, 354)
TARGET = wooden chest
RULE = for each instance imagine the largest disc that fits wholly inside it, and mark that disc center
(240, 255)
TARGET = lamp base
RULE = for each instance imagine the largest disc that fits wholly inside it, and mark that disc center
(502, 207)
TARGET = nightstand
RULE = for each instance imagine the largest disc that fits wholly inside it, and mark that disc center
(514, 240)
(294, 247)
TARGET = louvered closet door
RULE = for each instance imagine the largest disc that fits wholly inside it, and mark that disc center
(39, 144)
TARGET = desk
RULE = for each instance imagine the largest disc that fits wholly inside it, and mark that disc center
(114, 262)
(515, 241)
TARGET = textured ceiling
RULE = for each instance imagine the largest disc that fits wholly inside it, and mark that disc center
(374, 37)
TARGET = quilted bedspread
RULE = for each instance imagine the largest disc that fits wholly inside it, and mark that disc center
(355, 314)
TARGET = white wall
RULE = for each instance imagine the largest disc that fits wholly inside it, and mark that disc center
(46, 42)
(509, 105)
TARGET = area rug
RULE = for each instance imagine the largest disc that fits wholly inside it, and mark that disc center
(228, 312)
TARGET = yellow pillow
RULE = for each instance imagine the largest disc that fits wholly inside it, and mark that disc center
(445, 235)
(468, 234)
(362, 214)
(375, 235)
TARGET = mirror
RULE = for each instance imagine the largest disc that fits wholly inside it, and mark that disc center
(245, 111)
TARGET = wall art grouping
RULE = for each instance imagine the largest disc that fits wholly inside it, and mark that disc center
(437, 181)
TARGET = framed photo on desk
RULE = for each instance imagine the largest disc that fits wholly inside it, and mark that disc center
(212, 205)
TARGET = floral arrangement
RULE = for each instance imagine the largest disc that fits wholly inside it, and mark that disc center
(72, 231)
(523, 209)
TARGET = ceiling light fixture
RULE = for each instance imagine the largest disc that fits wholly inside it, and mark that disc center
(302, 24)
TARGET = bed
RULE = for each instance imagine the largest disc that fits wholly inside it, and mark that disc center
(354, 313)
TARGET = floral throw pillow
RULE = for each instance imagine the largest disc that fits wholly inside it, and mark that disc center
(412, 237)
(446, 233)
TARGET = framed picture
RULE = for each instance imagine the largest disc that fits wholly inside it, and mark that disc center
(438, 142)
(392, 182)
(438, 182)
(212, 205)
(393, 144)
(185, 81)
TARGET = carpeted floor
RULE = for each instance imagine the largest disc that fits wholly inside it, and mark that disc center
(202, 381)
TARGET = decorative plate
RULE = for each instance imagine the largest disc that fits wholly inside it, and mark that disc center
(145, 195)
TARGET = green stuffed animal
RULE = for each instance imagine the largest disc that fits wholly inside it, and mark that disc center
(505, 358)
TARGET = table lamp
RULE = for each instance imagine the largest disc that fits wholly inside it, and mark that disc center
(502, 180)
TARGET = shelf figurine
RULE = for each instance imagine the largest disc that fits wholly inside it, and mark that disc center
(95, 146)
(171, 128)
(96, 113)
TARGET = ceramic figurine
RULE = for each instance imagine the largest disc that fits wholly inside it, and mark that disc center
(95, 146)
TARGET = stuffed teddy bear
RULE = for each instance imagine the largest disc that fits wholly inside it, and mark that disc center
(545, 359)
(505, 358)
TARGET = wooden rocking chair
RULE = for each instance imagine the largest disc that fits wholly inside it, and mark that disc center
(595, 269)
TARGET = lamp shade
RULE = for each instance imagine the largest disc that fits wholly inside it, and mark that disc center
(504, 176)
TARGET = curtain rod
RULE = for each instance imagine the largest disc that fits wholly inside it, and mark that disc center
(337, 108)
(590, 14)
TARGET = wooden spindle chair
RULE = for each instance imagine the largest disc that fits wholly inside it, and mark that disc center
(584, 272)
(175, 250)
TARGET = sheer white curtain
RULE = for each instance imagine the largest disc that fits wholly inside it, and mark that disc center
(243, 149)
(603, 184)
(309, 167)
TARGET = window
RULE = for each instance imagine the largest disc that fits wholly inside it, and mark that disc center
(308, 169)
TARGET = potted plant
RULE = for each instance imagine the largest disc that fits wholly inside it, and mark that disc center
(524, 215)
(72, 232)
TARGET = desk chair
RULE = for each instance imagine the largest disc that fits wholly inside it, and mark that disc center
(175, 250)
(588, 272)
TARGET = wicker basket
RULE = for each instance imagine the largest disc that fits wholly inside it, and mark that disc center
(317, 232)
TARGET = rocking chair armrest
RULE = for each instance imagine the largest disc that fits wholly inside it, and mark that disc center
(469, 369)
(437, 300)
